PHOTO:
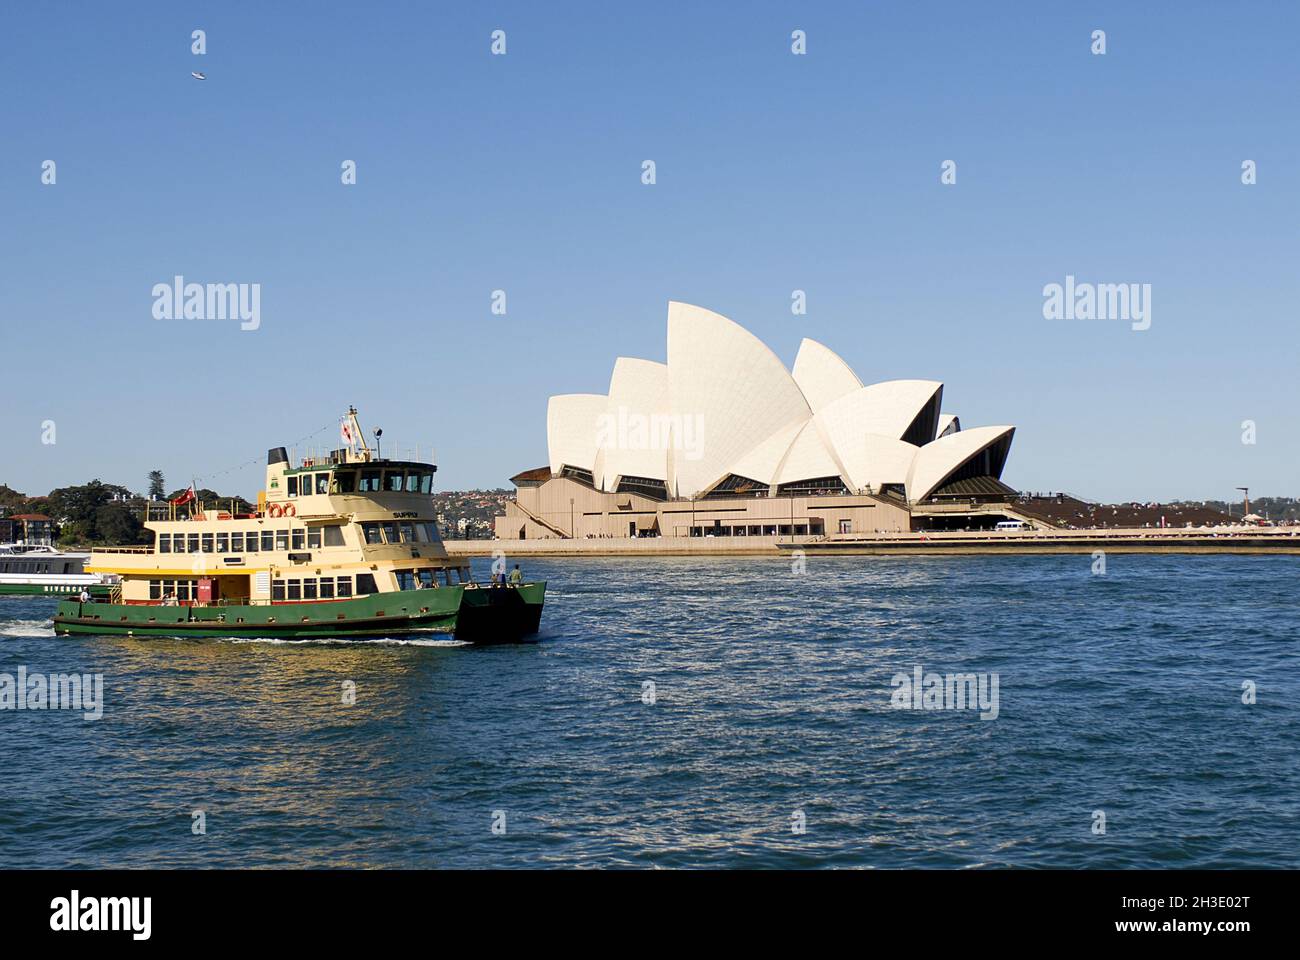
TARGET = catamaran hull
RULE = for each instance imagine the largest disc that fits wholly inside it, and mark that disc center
(477, 619)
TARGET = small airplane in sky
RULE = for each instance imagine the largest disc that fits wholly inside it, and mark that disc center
(197, 76)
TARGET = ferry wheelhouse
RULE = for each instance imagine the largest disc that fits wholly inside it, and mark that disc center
(341, 546)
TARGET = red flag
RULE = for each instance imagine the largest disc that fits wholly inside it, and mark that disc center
(184, 498)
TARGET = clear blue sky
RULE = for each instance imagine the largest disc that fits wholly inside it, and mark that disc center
(775, 172)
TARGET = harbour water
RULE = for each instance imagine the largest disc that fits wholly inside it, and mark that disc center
(768, 739)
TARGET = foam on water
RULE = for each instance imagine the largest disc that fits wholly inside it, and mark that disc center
(345, 641)
(26, 628)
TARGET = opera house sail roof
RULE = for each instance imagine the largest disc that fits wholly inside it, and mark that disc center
(725, 417)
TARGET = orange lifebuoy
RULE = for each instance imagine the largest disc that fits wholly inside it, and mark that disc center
(290, 510)
(273, 510)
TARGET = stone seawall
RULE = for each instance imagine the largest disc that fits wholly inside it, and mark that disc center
(1232, 541)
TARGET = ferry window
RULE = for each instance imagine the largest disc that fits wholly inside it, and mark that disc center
(250, 543)
(223, 543)
(295, 590)
(207, 543)
(426, 482)
(293, 486)
(432, 530)
(192, 543)
(408, 532)
(426, 578)
(282, 539)
(268, 541)
(371, 530)
(333, 536)
(277, 589)
(369, 481)
(422, 533)
(322, 483)
(313, 538)
(155, 589)
(345, 481)
(309, 589)
(327, 588)
(390, 531)
(413, 482)
(365, 584)
(182, 589)
(299, 536)
(405, 580)
(164, 543)
(345, 587)
(236, 543)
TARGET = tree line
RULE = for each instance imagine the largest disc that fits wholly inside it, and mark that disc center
(106, 513)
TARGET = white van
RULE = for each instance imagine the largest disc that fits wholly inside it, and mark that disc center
(1011, 525)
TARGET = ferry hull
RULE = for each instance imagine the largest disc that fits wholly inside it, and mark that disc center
(376, 615)
(500, 614)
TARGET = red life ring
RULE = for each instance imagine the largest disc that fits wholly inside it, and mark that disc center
(273, 510)
(290, 510)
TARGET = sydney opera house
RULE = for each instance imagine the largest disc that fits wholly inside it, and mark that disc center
(723, 440)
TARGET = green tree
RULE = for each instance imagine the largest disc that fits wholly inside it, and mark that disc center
(76, 509)
(213, 500)
(115, 523)
(10, 500)
(156, 487)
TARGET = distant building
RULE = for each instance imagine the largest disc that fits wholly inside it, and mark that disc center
(33, 529)
(722, 440)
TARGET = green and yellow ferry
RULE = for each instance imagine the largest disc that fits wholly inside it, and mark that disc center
(345, 546)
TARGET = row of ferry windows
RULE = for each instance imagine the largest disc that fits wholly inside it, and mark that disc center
(332, 588)
(181, 591)
(313, 588)
(361, 481)
(398, 531)
(309, 538)
(30, 566)
(322, 588)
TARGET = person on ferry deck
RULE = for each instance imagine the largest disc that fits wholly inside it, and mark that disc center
(516, 577)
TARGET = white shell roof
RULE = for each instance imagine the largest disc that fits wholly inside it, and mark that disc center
(809, 458)
(571, 424)
(939, 458)
(763, 462)
(822, 375)
(636, 432)
(725, 404)
(732, 388)
(887, 409)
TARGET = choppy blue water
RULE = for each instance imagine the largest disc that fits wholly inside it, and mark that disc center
(1120, 693)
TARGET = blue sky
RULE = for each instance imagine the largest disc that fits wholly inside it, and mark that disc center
(522, 172)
